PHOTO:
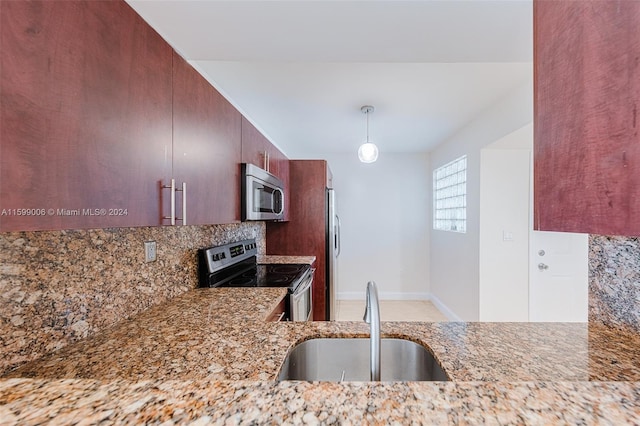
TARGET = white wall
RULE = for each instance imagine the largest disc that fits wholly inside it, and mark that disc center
(505, 179)
(385, 215)
(454, 257)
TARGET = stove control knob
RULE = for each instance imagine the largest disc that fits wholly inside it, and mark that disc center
(218, 256)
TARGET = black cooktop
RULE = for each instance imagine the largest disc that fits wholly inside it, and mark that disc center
(248, 273)
(235, 265)
(271, 275)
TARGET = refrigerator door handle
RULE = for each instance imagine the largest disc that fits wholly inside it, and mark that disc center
(337, 242)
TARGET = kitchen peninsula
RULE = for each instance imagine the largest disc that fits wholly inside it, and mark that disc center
(204, 357)
(138, 344)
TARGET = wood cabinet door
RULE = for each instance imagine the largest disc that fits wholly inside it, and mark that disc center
(85, 116)
(206, 148)
(587, 101)
(255, 147)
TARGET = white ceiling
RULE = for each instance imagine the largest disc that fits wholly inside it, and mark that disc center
(300, 70)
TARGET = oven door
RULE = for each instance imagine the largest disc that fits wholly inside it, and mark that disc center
(301, 301)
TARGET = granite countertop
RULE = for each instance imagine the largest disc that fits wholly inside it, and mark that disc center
(275, 258)
(209, 356)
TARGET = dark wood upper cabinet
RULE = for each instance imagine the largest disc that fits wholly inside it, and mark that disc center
(85, 115)
(206, 148)
(255, 146)
(587, 102)
(259, 151)
(97, 113)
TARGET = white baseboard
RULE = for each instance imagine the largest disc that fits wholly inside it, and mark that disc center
(383, 295)
(350, 295)
(444, 309)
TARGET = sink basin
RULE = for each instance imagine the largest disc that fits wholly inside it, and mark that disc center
(347, 359)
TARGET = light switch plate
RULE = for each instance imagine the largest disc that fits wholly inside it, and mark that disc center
(150, 251)
(507, 236)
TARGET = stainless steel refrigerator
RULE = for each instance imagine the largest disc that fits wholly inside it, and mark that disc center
(333, 252)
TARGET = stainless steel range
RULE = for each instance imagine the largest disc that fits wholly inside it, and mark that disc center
(234, 265)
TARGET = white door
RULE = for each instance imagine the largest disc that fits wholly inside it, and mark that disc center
(558, 284)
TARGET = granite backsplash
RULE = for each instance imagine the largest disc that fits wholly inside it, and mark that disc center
(614, 281)
(60, 286)
(57, 287)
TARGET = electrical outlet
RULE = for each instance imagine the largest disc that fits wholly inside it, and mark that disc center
(150, 251)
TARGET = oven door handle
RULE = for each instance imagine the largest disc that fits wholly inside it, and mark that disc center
(304, 287)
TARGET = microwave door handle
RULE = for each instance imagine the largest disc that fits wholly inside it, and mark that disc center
(273, 201)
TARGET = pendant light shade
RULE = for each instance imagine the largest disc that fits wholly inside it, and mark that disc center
(368, 151)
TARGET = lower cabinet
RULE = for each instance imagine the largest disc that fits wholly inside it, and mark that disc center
(280, 311)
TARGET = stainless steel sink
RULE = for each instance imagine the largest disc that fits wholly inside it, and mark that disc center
(347, 359)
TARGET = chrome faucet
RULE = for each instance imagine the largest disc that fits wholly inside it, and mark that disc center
(372, 317)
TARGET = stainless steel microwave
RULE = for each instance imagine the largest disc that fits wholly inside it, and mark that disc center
(262, 194)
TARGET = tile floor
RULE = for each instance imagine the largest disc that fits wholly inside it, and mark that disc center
(391, 310)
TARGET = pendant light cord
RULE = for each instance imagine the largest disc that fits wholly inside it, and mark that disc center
(367, 126)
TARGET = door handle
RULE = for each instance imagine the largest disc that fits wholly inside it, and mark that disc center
(542, 266)
(173, 189)
(337, 236)
(183, 219)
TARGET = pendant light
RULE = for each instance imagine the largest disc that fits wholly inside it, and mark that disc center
(368, 151)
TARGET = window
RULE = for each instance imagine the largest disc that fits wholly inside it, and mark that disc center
(450, 196)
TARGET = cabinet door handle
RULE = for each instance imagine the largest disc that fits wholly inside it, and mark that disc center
(172, 187)
(184, 203)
